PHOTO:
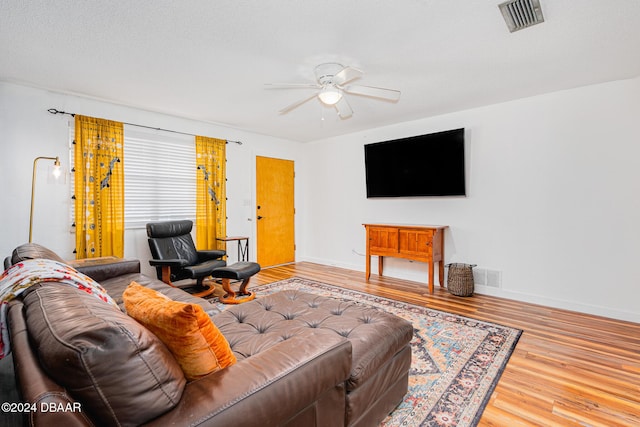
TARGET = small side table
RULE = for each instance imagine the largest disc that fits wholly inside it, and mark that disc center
(243, 245)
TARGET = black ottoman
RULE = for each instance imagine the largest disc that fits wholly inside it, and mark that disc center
(240, 271)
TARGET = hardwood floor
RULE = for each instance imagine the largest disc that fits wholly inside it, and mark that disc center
(568, 369)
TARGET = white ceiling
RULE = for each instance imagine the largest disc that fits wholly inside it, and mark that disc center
(209, 59)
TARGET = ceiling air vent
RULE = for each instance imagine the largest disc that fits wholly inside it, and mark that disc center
(520, 14)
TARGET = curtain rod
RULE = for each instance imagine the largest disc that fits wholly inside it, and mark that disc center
(55, 111)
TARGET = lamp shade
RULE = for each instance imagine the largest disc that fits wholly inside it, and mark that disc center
(330, 95)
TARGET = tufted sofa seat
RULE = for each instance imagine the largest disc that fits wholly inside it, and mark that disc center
(381, 356)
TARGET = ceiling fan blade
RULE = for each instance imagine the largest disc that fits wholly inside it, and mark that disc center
(292, 85)
(343, 108)
(374, 92)
(296, 104)
(346, 75)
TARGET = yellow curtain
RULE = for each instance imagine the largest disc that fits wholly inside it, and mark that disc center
(211, 195)
(99, 187)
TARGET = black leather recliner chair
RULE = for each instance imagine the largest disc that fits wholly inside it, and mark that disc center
(176, 258)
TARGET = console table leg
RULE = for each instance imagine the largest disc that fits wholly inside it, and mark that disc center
(368, 268)
(431, 277)
(441, 273)
(380, 265)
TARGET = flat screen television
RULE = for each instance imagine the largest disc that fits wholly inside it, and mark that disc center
(424, 165)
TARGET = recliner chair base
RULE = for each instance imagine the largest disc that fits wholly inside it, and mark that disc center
(208, 288)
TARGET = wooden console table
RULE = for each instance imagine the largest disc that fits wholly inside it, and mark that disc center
(415, 242)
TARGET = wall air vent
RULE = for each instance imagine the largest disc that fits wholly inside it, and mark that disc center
(520, 14)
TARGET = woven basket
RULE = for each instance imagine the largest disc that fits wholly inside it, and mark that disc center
(460, 279)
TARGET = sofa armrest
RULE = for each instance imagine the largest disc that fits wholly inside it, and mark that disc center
(35, 386)
(106, 269)
(269, 388)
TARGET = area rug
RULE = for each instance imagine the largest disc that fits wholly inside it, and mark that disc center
(456, 361)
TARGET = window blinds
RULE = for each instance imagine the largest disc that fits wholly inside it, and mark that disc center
(160, 177)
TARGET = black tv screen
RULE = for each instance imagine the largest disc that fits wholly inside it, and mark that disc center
(425, 165)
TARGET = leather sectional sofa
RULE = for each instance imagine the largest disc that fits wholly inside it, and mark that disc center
(302, 359)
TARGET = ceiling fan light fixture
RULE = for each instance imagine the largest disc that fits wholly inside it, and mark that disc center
(332, 89)
(330, 95)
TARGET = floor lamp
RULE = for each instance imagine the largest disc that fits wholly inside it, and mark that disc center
(57, 171)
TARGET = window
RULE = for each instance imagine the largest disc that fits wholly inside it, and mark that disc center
(160, 178)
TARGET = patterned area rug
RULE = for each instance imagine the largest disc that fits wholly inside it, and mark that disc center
(456, 361)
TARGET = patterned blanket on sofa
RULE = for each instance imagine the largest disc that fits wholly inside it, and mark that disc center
(25, 274)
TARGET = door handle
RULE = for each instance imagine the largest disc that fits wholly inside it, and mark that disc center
(259, 217)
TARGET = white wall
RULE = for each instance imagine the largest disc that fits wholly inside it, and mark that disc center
(553, 184)
(27, 131)
(553, 201)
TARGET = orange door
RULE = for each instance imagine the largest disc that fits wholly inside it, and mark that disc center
(275, 211)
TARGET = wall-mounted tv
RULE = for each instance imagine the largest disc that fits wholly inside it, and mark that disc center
(424, 165)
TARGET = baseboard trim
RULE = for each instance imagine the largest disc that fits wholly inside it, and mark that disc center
(419, 276)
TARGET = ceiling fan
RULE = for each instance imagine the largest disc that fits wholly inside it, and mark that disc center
(332, 86)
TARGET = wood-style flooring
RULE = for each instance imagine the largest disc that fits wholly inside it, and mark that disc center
(568, 369)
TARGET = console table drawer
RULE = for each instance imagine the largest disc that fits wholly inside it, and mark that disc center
(383, 240)
(416, 243)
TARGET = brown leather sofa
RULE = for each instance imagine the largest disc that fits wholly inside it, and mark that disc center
(303, 360)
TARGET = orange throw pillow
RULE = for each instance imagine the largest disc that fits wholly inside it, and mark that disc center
(188, 332)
